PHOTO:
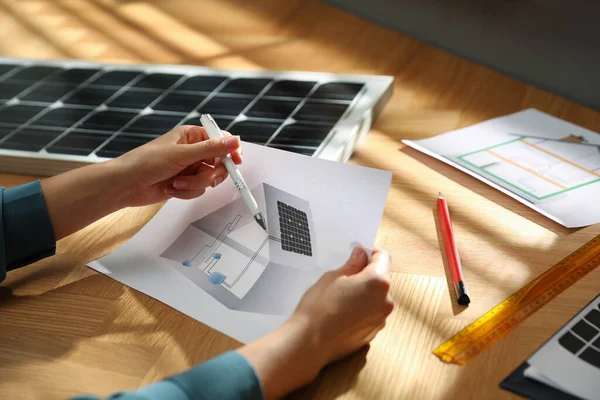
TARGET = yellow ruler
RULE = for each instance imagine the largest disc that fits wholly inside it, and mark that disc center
(493, 325)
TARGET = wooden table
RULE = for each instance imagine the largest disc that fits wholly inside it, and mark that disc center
(65, 329)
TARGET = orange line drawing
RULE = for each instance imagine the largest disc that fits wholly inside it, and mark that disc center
(560, 158)
(526, 169)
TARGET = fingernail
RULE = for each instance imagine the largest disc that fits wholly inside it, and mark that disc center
(357, 252)
(217, 181)
(232, 141)
(180, 184)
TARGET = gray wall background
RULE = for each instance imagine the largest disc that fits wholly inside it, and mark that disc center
(552, 44)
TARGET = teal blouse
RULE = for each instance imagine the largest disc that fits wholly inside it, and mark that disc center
(26, 236)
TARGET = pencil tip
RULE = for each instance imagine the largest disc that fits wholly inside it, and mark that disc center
(440, 194)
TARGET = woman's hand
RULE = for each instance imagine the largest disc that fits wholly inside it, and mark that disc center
(347, 307)
(338, 315)
(181, 163)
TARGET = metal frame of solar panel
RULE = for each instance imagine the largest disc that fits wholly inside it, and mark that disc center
(58, 115)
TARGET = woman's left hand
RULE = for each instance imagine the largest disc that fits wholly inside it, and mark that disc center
(182, 163)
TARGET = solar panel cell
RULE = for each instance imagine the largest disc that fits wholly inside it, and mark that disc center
(245, 86)
(154, 124)
(78, 143)
(30, 139)
(297, 89)
(320, 112)
(337, 91)
(276, 109)
(134, 99)
(74, 76)
(8, 90)
(109, 120)
(223, 122)
(115, 78)
(5, 68)
(63, 117)
(255, 131)
(89, 96)
(157, 81)
(35, 73)
(122, 144)
(221, 105)
(201, 83)
(47, 92)
(6, 129)
(179, 102)
(301, 134)
(19, 114)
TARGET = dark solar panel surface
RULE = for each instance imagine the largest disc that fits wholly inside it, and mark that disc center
(83, 111)
(295, 233)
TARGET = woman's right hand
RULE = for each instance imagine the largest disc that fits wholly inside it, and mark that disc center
(339, 314)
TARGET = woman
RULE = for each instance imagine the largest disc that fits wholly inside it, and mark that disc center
(341, 313)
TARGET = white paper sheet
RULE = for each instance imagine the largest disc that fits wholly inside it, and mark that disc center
(548, 164)
(209, 259)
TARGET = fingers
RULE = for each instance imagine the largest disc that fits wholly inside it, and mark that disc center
(184, 194)
(207, 150)
(380, 263)
(205, 177)
(189, 134)
(192, 145)
(236, 155)
(193, 135)
(375, 278)
(357, 261)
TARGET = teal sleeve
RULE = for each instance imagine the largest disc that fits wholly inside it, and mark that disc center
(228, 376)
(26, 233)
(26, 236)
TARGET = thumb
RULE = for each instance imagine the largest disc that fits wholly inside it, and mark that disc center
(186, 154)
(380, 263)
(357, 261)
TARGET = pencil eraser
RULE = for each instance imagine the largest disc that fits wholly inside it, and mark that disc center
(461, 294)
(464, 299)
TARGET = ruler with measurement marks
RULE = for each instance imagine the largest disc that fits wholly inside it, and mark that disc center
(496, 323)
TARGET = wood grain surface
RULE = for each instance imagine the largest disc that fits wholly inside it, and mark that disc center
(65, 329)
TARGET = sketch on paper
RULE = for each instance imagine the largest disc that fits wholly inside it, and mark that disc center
(229, 256)
(548, 164)
(539, 167)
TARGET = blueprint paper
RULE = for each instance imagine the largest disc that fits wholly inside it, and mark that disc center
(548, 164)
(210, 260)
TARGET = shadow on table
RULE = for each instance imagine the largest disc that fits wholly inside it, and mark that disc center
(48, 325)
(488, 192)
(494, 238)
(343, 372)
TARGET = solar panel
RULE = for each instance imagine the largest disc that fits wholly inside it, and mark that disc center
(295, 234)
(57, 115)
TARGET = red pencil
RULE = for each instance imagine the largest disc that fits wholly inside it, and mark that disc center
(452, 252)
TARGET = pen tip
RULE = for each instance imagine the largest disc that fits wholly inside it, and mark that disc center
(261, 221)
